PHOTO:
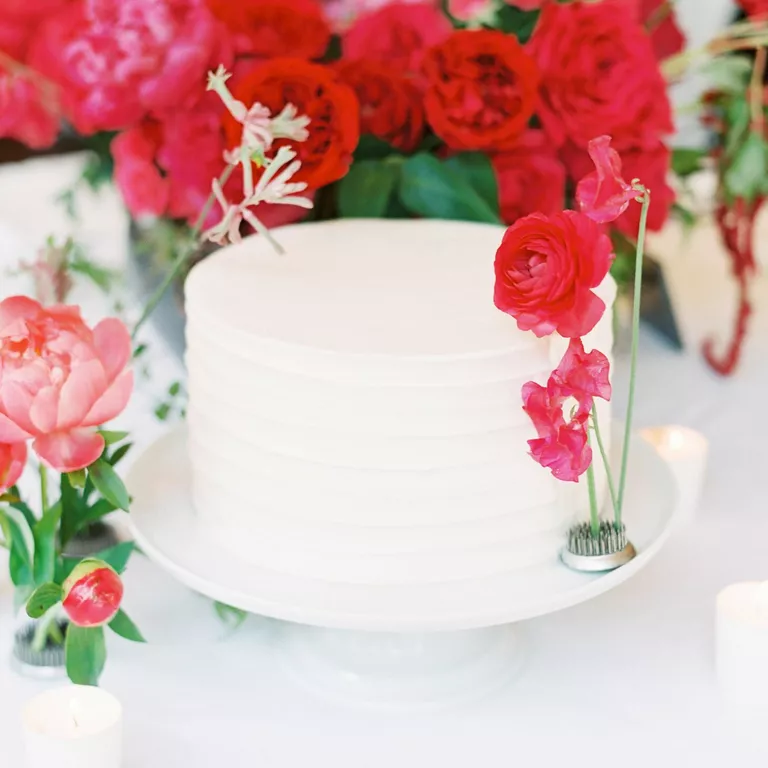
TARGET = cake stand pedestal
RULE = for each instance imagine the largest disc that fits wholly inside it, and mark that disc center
(395, 645)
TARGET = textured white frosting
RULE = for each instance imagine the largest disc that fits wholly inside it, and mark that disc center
(355, 409)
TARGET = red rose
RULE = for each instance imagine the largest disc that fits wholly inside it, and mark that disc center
(659, 18)
(754, 7)
(599, 75)
(482, 89)
(396, 35)
(651, 166)
(275, 27)
(530, 177)
(546, 268)
(390, 104)
(317, 92)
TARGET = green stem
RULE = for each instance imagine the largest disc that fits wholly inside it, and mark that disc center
(646, 202)
(43, 489)
(594, 518)
(606, 464)
(182, 256)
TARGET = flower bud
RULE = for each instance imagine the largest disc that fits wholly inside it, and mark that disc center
(92, 593)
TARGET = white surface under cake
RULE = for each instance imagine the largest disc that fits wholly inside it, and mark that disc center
(355, 409)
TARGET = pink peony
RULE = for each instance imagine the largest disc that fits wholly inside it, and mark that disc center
(118, 60)
(13, 457)
(27, 111)
(59, 380)
(92, 594)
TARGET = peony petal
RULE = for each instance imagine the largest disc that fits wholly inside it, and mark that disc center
(113, 345)
(112, 402)
(17, 308)
(13, 457)
(11, 432)
(17, 403)
(45, 409)
(83, 387)
(69, 451)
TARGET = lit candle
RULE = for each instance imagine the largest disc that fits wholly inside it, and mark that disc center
(74, 727)
(685, 451)
(742, 648)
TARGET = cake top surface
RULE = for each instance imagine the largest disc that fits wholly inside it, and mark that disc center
(360, 286)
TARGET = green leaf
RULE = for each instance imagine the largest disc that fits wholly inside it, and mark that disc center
(117, 557)
(94, 513)
(43, 599)
(174, 389)
(372, 148)
(728, 73)
(19, 505)
(229, 615)
(737, 118)
(111, 436)
(86, 654)
(686, 161)
(77, 479)
(72, 507)
(746, 175)
(17, 533)
(109, 484)
(476, 169)
(45, 544)
(516, 22)
(8, 497)
(430, 188)
(119, 453)
(162, 411)
(123, 626)
(366, 190)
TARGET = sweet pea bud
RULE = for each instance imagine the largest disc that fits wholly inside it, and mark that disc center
(92, 593)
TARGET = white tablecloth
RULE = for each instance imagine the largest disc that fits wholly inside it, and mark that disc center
(627, 677)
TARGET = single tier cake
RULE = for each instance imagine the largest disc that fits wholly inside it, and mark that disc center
(355, 411)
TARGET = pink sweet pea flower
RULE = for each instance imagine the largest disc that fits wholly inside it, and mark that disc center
(583, 375)
(13, 457)
(604, 195)
(60, 379)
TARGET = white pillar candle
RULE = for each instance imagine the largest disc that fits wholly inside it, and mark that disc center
(742, 649)
(73, 727)
(685, 451)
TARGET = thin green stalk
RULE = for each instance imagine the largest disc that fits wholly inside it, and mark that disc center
(606, 464)
(594, 518)
(43, 489)
(182, 256)
(646, 201)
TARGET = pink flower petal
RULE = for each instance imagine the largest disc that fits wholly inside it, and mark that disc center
(113, 346)
(10, 432)
(112, 402)
(17, 403)
(16, 307)
(69, 451)
(13, 457)
(45, 410)
(85, 384)
(604, 195)
(585, 314)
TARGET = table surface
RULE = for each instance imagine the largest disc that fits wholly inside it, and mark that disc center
(627, 676)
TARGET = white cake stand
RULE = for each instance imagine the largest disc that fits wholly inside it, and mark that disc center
(385, 645)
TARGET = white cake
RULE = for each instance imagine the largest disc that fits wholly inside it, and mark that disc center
(355, 411)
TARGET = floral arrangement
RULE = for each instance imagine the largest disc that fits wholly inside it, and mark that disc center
(546, 268)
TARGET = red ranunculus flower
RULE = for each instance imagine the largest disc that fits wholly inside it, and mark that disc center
(482, 90)
(651, 166)
(546, 268)
(583, 375)
(396, 35)
(599, 75)
(390, 104)
(118, 60)
(317, 92)
(275, 27)
(754, 8)
(530, 177)
(92, 594)
(561, 447)
(603, 195)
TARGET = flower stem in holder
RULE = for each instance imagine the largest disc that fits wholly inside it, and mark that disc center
(645, 199)
(606, 464)
(594, 516)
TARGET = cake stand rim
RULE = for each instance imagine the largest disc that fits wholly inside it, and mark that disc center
(146, 526)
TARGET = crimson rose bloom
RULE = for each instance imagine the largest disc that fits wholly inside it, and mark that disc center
(268, 28)
(754, 7)
(666, 36)
(317, 92)
(546, 268)
(396, 35)
(599, 75)
(482, 89)
(530, 177)
(390, 104)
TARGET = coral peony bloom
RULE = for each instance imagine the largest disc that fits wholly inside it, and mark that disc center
(59, 380)
(28, 112)
(396, 35)
(604, 195)
(530, 177)
(390, 104)
(13, 457)
(599, 75)
(92, 594)
(546, 268)
(118, 60)
(561, 447)
(482, 90)
(268, 28)
(317, 92)
(583, 375)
